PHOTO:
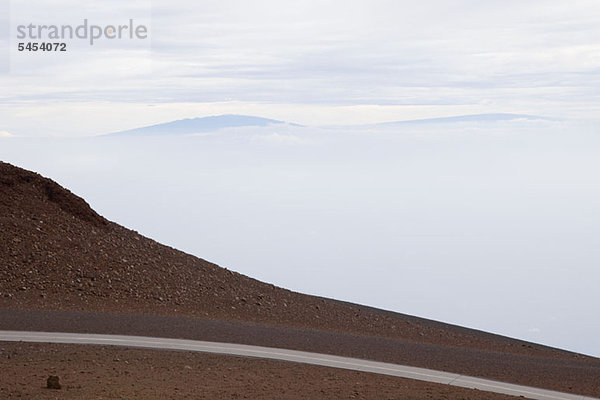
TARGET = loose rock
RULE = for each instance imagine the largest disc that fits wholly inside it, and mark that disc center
(53, 382)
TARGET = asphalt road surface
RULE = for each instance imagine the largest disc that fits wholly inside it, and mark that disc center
(354, 364)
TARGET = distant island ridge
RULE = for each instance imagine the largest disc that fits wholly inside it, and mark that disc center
(189, 126)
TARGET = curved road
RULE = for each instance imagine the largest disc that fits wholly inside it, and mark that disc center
(354, 364)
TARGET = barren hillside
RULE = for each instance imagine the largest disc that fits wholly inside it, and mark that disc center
(56, 253)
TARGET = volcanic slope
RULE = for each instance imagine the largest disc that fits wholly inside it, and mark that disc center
(56, 253)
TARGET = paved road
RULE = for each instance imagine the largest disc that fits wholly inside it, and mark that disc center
(293, 356)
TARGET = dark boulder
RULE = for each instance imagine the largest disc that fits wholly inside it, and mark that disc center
(52, 382)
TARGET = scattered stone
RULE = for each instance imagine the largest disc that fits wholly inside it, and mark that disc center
(53, 382)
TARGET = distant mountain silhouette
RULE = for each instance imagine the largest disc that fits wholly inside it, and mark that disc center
(199, 125)
(191, 126)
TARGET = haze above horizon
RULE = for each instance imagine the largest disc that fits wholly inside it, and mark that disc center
(313, 63)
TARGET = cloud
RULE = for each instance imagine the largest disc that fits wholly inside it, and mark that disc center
(279, 139)
(507, 56)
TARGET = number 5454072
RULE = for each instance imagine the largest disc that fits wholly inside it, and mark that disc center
(44, 46)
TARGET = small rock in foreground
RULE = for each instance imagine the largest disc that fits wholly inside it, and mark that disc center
(52, 382)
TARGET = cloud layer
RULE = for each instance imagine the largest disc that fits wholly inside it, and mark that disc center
(493, 56)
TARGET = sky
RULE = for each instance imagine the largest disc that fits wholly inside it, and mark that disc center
(311, 62)
(488, 225)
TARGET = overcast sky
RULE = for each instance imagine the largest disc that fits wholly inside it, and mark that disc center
(313, 62)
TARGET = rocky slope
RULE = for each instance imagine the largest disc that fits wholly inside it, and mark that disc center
(56, 253)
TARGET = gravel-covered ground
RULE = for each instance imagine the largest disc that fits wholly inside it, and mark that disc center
(63, 267)
(96, 372)
(570, 374)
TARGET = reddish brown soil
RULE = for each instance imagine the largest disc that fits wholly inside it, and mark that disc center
(96, 372)
(56, 253)
(576, 375)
